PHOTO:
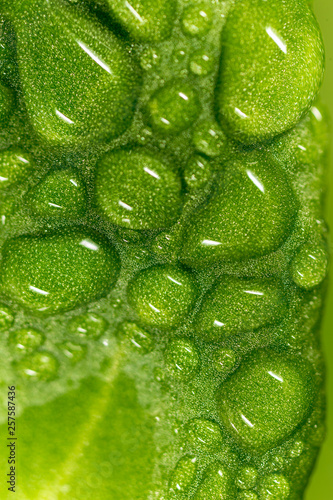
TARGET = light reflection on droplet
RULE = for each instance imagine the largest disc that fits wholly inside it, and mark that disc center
(134, 12)
(63, 117)
(151, 172)
(247, 421)
(38, 290)
(183, 96)
(240, 113)
(277, 39)
(154, 308)
(124, 205)
(94, 57)
(316, 113)
(54, 205)
(211, 243)
(90, 245)
(274, 375)
(255, 181)
(174, 281)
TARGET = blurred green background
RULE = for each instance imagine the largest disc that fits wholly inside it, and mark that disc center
(321, 486)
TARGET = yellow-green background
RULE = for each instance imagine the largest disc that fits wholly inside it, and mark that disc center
(321, 486)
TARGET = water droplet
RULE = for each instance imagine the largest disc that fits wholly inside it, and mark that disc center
(162, 296)
(202, 62)
(296, 449)
(90, 325)
(197, 173)
(202, 434)
(274, 487)
(265, 85)
(26, 340)
(56, 272)
(138, 338)
(310, 265)
(182, 359)
(149, 58)
(209, 139)
(234, 305)
(250, 215)
(73, 352)
(266, 399)
(15, 166)
(39, 366)
(247, 478)
(224, 360)
(179, 55)
(87, 83)
(183, 475)
(173, 108)
(60, 194)
(197, 19)
(217, 484)
(137, 190)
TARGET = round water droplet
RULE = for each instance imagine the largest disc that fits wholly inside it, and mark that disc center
(235, 305)
(73, 352)
(174, 107)
(56, 272)
(224, 360)
(182, 359)
(250, 214)
(149, 58)
(144, 135)
(166, 244)
(209, 139)
(202, 62)
(296, 449)
(247, 478)
(38, 366)
(272, 67)
(202, 434)
(87, 83)
(218, 484)
(277, 463)
(266, 399)
(179, 55)
(138, 338)
(136, 190)
(162, 296)
(197, 173)
(87, 325)
(6, 317)
(60, 194)
(6, 104)
(183, 475)
(15, 166)
(310, 265)
(274, 487)
(26, 340)
(197, 19)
